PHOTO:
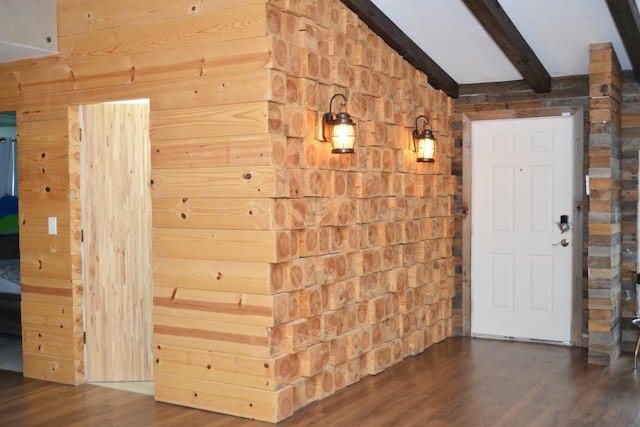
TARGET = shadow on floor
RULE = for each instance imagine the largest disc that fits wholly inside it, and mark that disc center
(11, 353)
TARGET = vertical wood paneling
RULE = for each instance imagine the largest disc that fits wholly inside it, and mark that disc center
(116, 212)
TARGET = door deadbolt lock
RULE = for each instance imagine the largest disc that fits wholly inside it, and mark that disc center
(563, 225)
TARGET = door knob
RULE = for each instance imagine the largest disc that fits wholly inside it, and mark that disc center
(563, 242)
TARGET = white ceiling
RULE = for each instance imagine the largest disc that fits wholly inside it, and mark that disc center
(558, 31)
(28, 29)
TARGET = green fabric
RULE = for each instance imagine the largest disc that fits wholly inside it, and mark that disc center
(9, 224)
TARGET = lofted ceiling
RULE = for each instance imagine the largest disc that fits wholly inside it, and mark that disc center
(480, 41)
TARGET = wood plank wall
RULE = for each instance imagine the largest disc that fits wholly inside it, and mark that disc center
(630, 133)
(112, 50)
(605, 221)
(282, 273)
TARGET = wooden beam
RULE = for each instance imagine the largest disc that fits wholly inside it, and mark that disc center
(495, 21)
(401, 43)
(625, 15)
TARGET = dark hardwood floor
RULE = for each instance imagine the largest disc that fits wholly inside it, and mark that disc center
(459, 382)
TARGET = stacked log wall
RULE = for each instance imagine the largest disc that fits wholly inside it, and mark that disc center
(282, 272)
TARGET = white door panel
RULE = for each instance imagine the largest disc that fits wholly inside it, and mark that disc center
(521, 185)
(502, 282)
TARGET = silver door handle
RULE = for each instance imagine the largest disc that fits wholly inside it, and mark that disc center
(563, 242)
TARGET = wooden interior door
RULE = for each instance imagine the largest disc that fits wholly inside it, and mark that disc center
(116, 215)
(522, 185)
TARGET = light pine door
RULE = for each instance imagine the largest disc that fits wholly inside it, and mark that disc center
(521, 272)
(116, 215)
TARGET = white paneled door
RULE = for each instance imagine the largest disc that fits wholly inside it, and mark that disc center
(521, 259)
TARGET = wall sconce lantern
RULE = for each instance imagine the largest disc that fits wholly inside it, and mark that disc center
(424, 142)
(339, 131)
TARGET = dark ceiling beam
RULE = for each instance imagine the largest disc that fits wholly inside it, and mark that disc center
(497, 23)
(400, 42)
(625, 15)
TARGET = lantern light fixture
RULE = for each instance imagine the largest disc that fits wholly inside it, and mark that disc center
(424, 142)
(339, 130)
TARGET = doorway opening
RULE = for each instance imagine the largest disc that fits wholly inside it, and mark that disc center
(116, 224)
(10, 289)
(537, 295)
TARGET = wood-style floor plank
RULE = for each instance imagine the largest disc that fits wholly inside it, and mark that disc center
(459, 382)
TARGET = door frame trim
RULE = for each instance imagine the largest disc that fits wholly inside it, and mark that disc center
(578, 190)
